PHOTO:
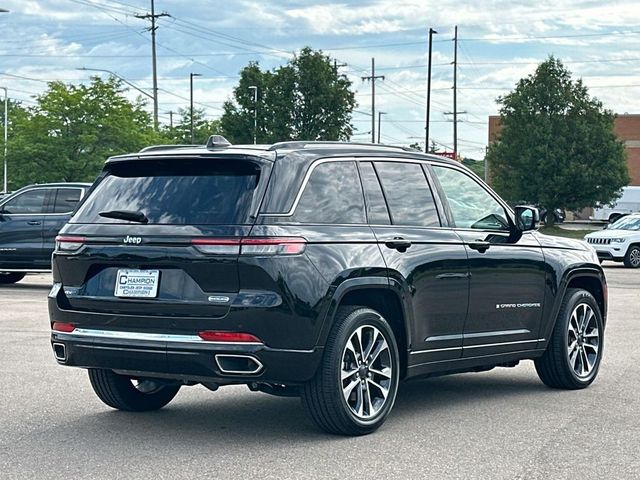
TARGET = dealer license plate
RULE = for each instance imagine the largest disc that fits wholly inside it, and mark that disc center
(137, 283)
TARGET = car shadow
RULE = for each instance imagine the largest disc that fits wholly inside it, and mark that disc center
(253, 419)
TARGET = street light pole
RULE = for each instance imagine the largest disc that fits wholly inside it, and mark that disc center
(380, 123)
(255, 113)
(191, 75)
(426, 127)
(6, 134)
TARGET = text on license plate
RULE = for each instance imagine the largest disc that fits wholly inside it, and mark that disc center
(137, 283)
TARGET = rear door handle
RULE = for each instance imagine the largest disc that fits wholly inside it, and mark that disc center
(479, 245)
(398, 243)
(34, 222)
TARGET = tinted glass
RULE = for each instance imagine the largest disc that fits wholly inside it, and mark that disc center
(408, 194)
(626, 223)
(66, 200)
(376, 206)
(332, 195)
(27, 202)
(177, 191)
(471, 205)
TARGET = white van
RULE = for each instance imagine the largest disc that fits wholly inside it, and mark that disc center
(629, 202)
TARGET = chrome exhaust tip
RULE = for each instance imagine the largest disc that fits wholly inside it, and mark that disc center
(238, 364)
(60, 352)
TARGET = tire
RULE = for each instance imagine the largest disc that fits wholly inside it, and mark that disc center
(323, 397)
(121, 393)
(550, 218)
(7, 278)
(632, 258)
(577, 342)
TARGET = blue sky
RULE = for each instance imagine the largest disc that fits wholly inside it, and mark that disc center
(499, 42)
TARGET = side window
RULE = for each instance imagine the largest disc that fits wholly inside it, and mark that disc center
(471, 205)
(333, 194)
(27, 202)
(408, 194)
(377, 212)
(66, 200)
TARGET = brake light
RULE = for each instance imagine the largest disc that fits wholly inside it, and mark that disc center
(232, 337)
(251, 246)
(63, 327)
(69, 243)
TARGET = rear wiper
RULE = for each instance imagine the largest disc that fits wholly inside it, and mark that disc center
(130, 215)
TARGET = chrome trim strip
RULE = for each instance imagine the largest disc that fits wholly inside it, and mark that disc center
(239, 372)
(497, 333)
(24, 270)
(341, 159)
(501, 343)
(476, 346)
(151, 337)
(432, 350)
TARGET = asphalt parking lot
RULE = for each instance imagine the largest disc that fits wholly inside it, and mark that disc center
(503, 424)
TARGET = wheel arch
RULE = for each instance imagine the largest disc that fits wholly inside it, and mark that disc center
(590, 279)
(377, 294)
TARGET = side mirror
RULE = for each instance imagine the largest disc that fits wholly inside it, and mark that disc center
(527, 218)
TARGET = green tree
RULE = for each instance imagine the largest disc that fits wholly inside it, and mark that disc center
(72, 130)
(306, 99)
(557, 145)
(202, 128)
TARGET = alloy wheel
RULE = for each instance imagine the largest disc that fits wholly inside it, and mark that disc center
(583, 340)
(367, 372)
(634, 257)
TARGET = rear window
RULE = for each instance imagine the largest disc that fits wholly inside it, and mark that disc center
(176, 192)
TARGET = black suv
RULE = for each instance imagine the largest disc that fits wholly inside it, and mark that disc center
(325, 270)
(30, 219)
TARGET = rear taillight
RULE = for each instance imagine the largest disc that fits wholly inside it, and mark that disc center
(273, 246)
(251, 246)
(63, 327)
(68, 243)
(232, 337)
(217, 246)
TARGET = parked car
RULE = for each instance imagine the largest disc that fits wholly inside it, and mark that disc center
(619, 242)
(30, 219)
(328, 271)
(4, 195)
(557, 215)
(628, 203)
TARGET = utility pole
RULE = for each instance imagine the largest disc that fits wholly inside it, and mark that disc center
(6, 134)
(455, 93)
(255, 113)
(426, 127)
(337, 65)
(153, 17)
(373, 79)
(171, 118)
(380, 123)
(191, 75)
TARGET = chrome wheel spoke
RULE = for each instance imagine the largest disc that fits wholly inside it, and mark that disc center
(381, 348)
(384, 372)
(573, 346)
(346, 391)
(348, 373)
(592, 334)
(372, 344)
(384, 391)
(593, 348)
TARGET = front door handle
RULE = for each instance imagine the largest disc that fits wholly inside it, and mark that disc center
(34, 222)
(480, 245)
(398, 243)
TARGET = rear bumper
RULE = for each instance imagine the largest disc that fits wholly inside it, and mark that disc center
(183, 357)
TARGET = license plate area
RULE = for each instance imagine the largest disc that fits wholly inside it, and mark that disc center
(134, 283)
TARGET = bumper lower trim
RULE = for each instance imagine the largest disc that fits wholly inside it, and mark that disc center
(151, 337)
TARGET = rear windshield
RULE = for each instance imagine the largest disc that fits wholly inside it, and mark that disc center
(175, 192)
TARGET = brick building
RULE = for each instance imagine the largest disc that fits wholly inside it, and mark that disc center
(626, 127)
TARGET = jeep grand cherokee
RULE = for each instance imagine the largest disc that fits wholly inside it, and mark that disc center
(327, 271)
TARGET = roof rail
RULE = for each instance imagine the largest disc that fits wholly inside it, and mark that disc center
(153, 148)
(332, 144)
